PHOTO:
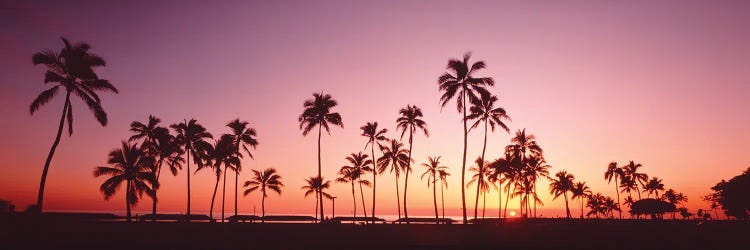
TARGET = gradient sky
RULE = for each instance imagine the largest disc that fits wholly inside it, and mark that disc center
(659, 82)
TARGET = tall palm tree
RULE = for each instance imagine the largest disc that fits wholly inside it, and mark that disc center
(631, 171)
(268, 179)
(397, 158)
(615, 172)
(213, 157)
(348, 175)
(317, 186)
(480, 177)
(483, 111)
(359, 165)
(157, 143)
(521, 151)
(374, 137)
(222, 153)
(443, 177)
(73, 70)
(191, 137)
(498, 170)
(242, 136)
(459, 82)
(433, 172)
(581, 191)
(654, 185)
(132, 166)
(561, 185)
(411, 120)
(318, 113)
(537, 168)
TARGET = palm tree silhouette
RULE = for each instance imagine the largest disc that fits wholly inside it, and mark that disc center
(460, 81)
(480, 177)
(615, 172)
(397, 158)
(498, 174)
(318, 113)
(374, 136)
(72, 69)
(581, 191)
(631, 171)
(157, 143)
(674, 198)
(132, 166)
(348, 175)
(654, 185)
(410, 120)
(483, 110)
(443, 177)
(317, 186)
(561, 185)
(242, 136)
(191, 137)
(222, 153)
(268, 179)
(433, 172)
(359, 165)
(537, 168)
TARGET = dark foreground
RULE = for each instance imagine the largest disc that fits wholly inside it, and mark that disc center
(529, 234)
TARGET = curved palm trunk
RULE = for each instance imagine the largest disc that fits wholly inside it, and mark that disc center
(223, 193)
(507, 199)
(188, 183)
(263, 207)
(398, 200)
(617, 191)
(567, 210)
(374, 178)
(320, 176)
(463, 163)
(434, 198)
(408, 167)
(534, 199)
(354, 200)
(40, 197)
(236, 177)
(127, 203)
(362, 198)
(213, 197)
(499, 200)
(481, 166)
(155, 199)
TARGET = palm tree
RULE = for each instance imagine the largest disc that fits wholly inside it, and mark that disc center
(397, 158)
(359, 165)
(318, 113)
(191, 137)
(132, 166)
(242, 136)
(374, 136)
(581, 191)
(348, 175)
(596, 205)
(157, 143)
(73, 70)
(614, 172)
(268, 179)
(537, 168)
(653, 186)
(443, 177)
(460, 82)
(561, 185)
(433, 172)
(483, 110)
(631, 171)
(479, 177)
(410, 120)
(317, 186)
(498, 170)
(674, 198)
(222, 153)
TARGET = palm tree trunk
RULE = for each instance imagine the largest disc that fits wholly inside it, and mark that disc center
(320, 176)
(362, 198)
(463, 163)
(188, 182)
(374, 178)
(507, 199)
(617, 191)
(484, 203)
(155, 199)
(567, 210)
(535, 199)
(223, 193)
(406, 180)
(434, 197)
(481, 166)
(213, 197)
(398, 200)
(263, 207)
(127, 202)
(354, 200)
(499, 199)
(316, 204)
(442, 199)
(40, 197)
(236, 177)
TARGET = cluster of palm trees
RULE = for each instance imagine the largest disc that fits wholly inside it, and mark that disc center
(139, 160)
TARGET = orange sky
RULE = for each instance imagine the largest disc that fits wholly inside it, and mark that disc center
(664, 84)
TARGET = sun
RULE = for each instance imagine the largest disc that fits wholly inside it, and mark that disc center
(512, 214)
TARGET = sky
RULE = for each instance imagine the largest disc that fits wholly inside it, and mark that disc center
(662, 83)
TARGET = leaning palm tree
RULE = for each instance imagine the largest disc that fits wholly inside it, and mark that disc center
(72, 69)
(374, 137)
(213, 157)
(318, 113)
(483, 110)
(498, 174)
(443, 177)
(349, 175)
(480, 177)
(615, 172)
(132, 166)
(317, 186)
(411, 120)
(191, 137)
(242, 135)
(536, 168)
(654, 185)
(222, 153)
(631, 171)
(460, 82)
(581, 191)
(359, 165)
(433, 172)
(561, 185)
(268, 179)
(397, 158)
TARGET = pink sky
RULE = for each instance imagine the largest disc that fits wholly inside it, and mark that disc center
(659, 82)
